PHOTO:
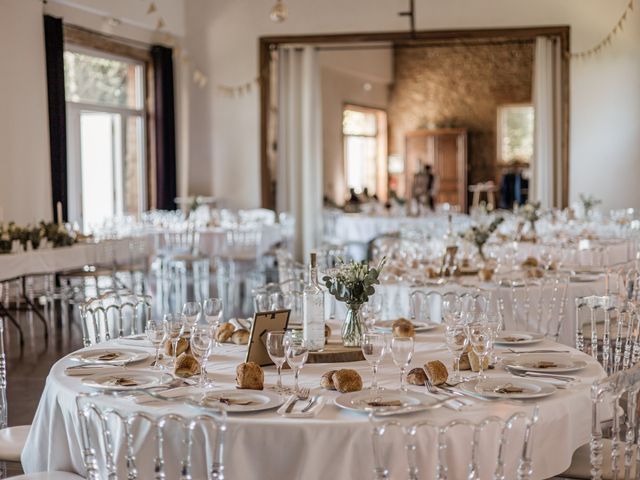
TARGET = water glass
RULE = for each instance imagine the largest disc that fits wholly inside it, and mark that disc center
(212, 311)
(402, 353)
(262, 302)
(172, 324)
(373, 345)
(277, 352)
(201, 342)
(481, 342)
(297, 354)
(456, 339)
(155, 333)
(191, 312)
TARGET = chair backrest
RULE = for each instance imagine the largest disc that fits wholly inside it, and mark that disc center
(117, 444)
(611, 336)
(614, 391)
(113, 315)
(535, 304)
(488, 457)
(4, 416)
(427, 306)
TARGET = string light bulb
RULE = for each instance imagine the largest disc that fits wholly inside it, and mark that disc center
(279, 12)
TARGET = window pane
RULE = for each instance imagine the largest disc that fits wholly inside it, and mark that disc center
(99, 80)
(361, 155)
(355, 122)
(133, 167)
(517, 133)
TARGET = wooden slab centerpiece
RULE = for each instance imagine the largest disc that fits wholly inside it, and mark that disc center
(336, 353)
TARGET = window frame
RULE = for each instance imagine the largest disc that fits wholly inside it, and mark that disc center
(499, 116)
(81, 40)
(381, 148)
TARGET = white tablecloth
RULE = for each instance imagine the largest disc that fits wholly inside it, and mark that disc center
(336, 444)
(52, 260)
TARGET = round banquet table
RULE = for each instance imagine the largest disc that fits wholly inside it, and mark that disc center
(336, 443)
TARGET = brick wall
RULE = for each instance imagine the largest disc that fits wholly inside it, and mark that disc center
(459, 86)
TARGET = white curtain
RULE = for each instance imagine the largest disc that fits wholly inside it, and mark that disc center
(299, 165)
(546, 179)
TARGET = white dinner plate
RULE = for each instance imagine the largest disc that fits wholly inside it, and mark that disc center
(553, 362)
(368, 401)
(387, 326)
(584, 278)
(110, 356)
(514, 338)
(238, 401)
(492, 388)
(126, 380)
(140, 340)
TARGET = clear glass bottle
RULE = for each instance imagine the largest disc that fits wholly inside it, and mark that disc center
(313, 309)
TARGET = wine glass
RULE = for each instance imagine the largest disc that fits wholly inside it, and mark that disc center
(191, 312)
(201, 342)
(297, 354)
(277, 352)
(402, 352)
(156, 334)
(479, 336)
(373, 350)
(456, 343)
(212, 310)
(494, 325)
(262, 302)
(172, 324)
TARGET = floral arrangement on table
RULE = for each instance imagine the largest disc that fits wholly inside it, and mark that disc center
(353, 283)
(33, 236)
(480, 234)
(530, 212)
(195, 203)
(589, 202)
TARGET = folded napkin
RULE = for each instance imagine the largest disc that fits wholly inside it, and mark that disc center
(299, 406)
(86, 370)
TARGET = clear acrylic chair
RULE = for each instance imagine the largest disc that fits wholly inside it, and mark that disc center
(426, 306)
(616, 456)
(499, 449)
(607, 329)
(117, 444)
(538, 305)
(113, 315)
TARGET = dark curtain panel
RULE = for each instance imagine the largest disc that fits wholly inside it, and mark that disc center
(54, 49)
(165, 136)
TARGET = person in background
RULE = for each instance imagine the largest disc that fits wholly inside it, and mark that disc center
(424, 187)
(353, 197)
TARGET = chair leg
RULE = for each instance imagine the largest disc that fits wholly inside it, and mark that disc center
(5, 313)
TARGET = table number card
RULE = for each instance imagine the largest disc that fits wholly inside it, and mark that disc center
(263, 323)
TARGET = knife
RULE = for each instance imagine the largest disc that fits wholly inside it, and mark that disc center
(291, 405)
(310, 405)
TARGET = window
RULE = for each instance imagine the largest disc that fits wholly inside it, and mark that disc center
(364, 131)
(515, 133)
(106, 131)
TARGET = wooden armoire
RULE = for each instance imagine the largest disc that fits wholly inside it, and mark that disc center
(445, 150)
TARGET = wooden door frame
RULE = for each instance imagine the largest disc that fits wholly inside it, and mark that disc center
(425, 37)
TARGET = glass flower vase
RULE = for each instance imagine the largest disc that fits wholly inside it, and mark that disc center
(353, 326)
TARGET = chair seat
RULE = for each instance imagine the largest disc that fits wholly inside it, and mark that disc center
(12, 440)
(48, 476)
(581, 463)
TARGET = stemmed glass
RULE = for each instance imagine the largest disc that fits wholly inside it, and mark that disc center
(212, 310)
(157, 336)
(172, 323)
(373, 350)
(456, 342)
(371, 310)
(277, 352)
(494, 325)
(480, 338)
(262, 302)
(297, 354)
(201, 342)
(191, 312)
(402, 352)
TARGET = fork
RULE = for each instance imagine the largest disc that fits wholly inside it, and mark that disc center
(432, 389)
(303, 394)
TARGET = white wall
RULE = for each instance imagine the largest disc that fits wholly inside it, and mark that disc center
(605, 91)
(344, 74)
(25, 181)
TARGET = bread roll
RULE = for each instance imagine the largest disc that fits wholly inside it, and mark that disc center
(347, 380)
(485, 274)
(436, 371)
(224, 332)
(530, 262)
(327, 380)
(474, 362)
(416, 376)
(403, 328)
(183, 346)
(535, 273)
(249, 376)
(186, 366)
(240, 337)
